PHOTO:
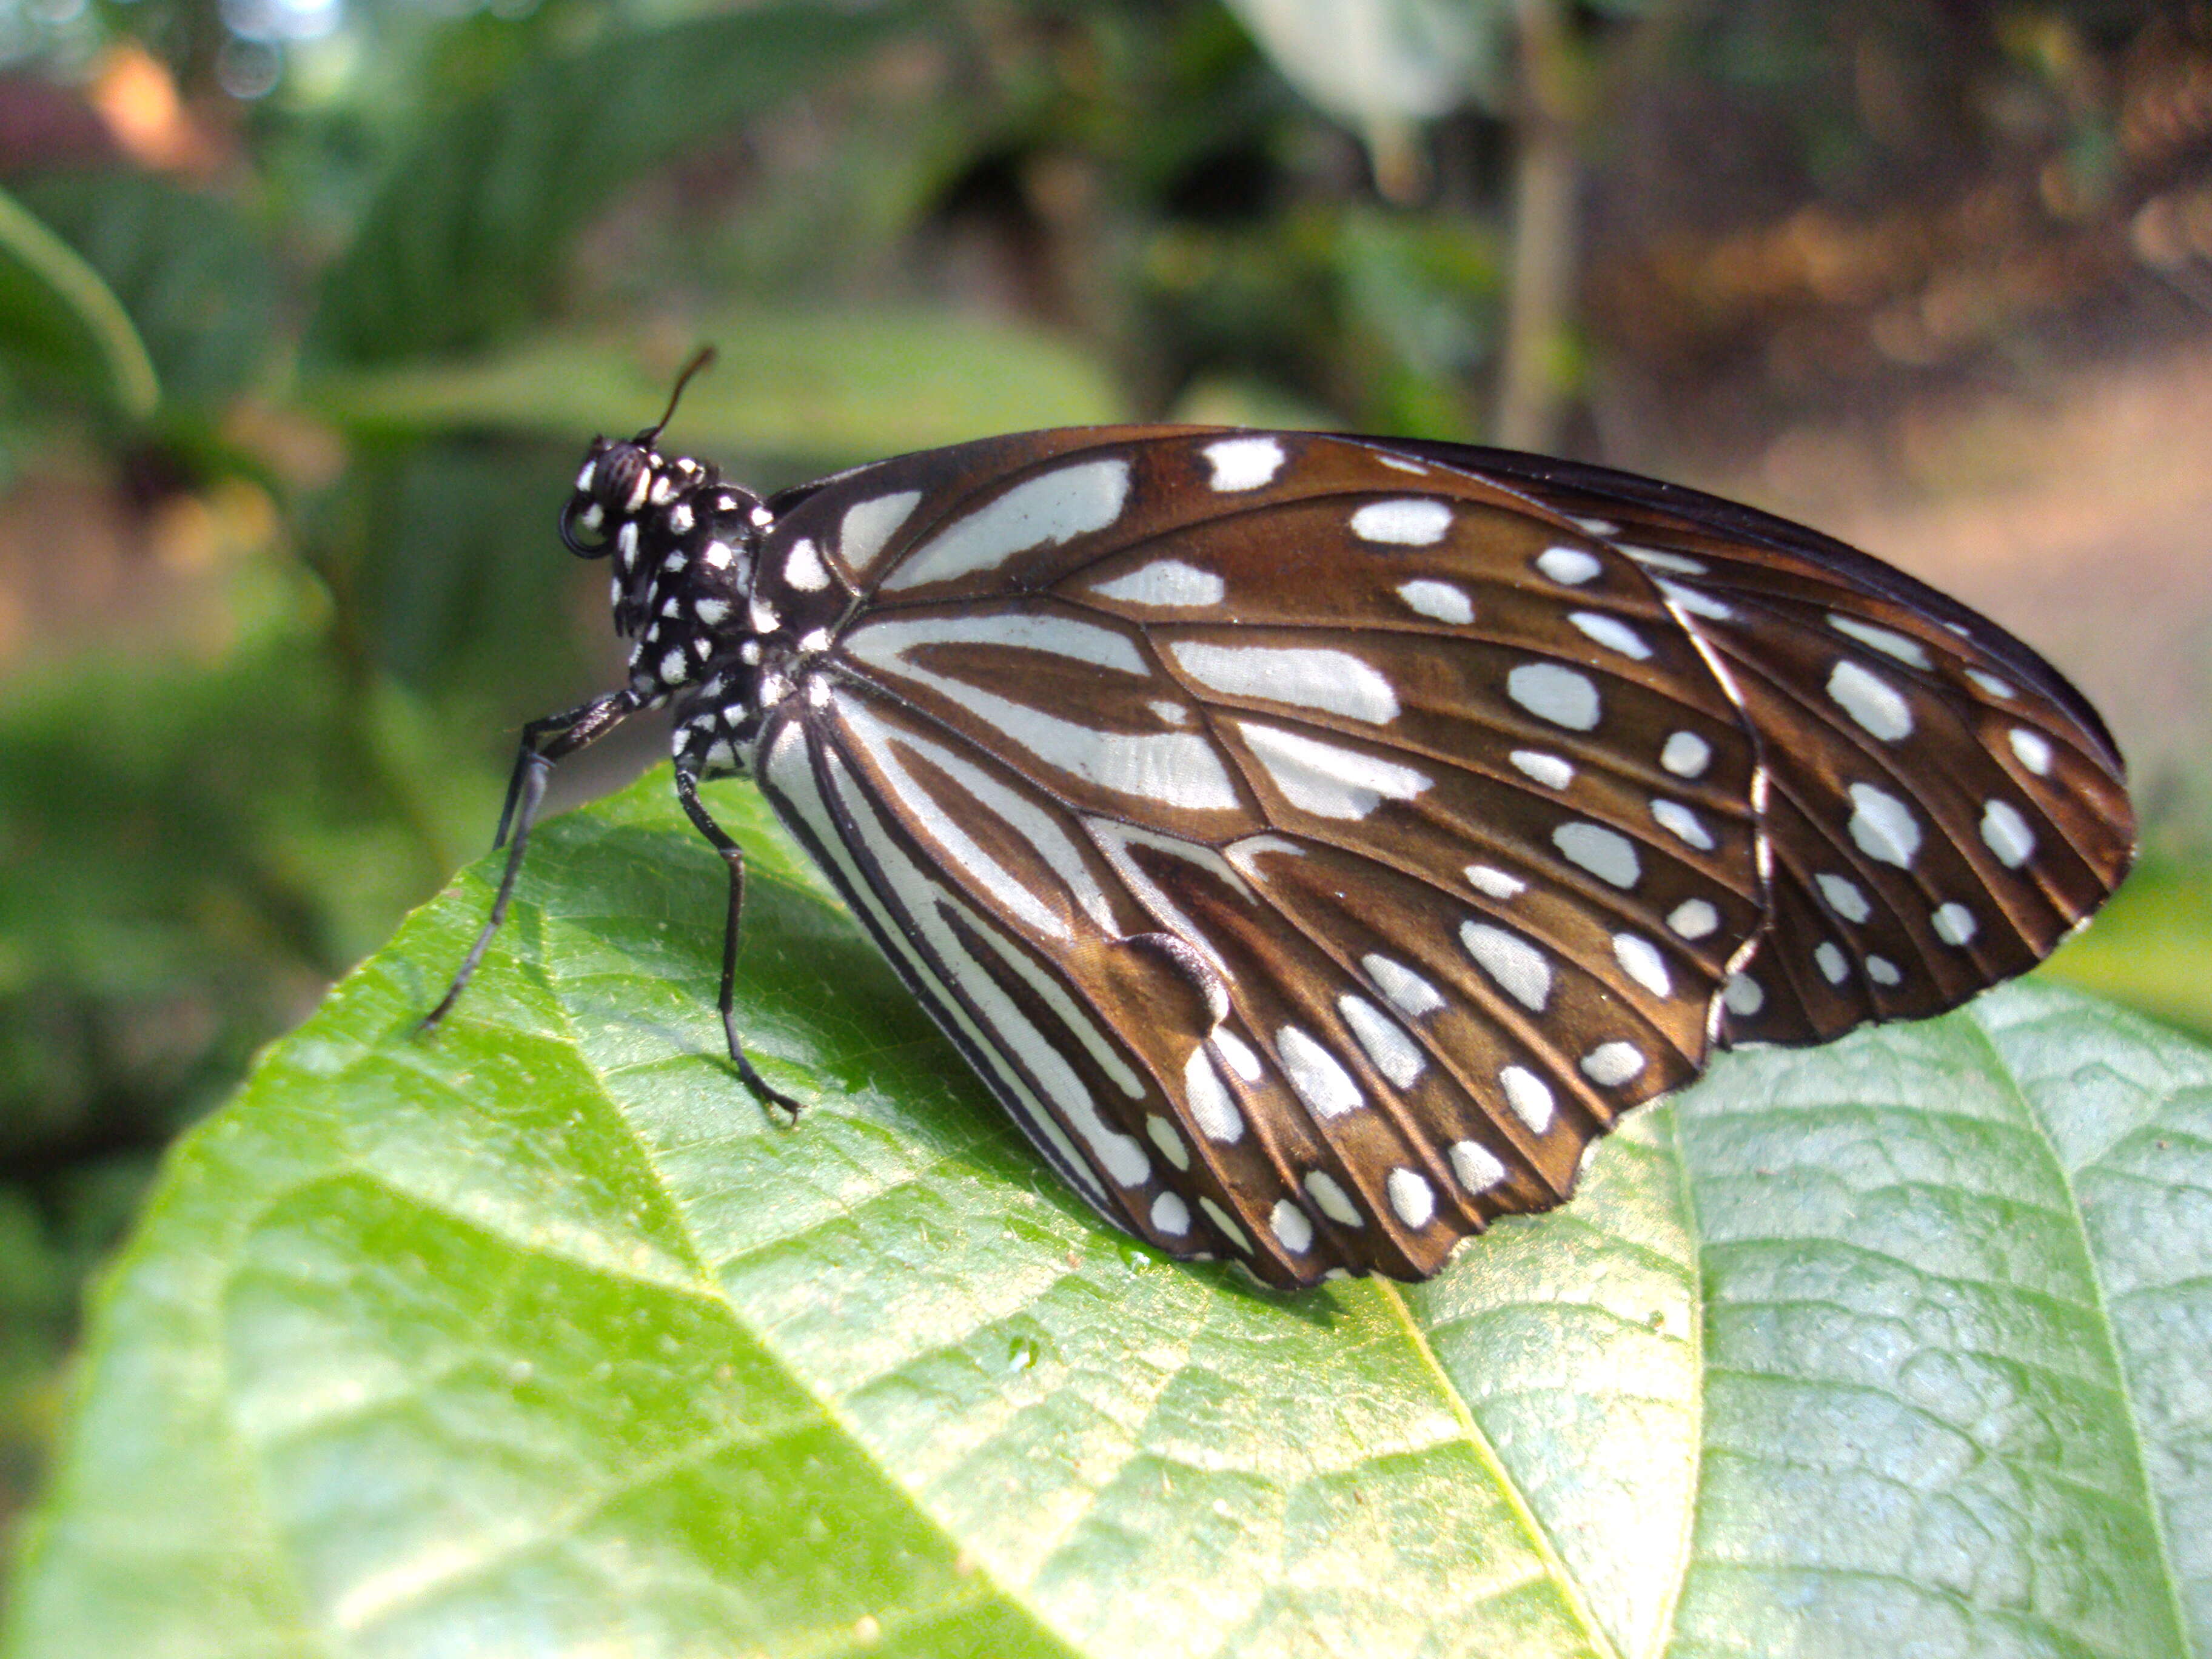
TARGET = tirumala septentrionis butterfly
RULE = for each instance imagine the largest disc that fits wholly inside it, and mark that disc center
(1315, 842)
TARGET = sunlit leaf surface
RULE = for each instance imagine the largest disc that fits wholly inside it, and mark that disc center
(540, 1339)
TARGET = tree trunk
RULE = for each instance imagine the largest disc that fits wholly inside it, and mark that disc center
(1533, 389)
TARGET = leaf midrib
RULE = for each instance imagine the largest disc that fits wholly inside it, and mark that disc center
(2130, 1422)
(1540, 1537)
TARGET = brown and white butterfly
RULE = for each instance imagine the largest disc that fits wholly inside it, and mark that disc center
(1316, 842)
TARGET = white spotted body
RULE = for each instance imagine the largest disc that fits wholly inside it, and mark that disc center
(1315, 843)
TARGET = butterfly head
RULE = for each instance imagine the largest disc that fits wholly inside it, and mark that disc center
(681, 542)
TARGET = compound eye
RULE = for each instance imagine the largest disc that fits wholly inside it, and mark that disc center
(584, 529)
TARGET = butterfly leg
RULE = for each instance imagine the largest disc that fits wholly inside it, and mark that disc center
(543, 742)
(687, 791)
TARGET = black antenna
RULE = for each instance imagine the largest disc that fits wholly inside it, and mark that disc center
(699, 359)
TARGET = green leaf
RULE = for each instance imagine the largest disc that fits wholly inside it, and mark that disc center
(194, 274)
(55, 311)
(464, 242)
(843, 386)
(2152, 946)
(540, 1337)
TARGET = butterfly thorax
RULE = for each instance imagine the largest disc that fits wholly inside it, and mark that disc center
(685, 546)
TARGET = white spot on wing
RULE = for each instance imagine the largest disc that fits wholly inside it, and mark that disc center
(1697, 603)
(1325, 780)
(1883, 826)
(1043, 511)
(1321, 1187)
(1321, 1082)
(804, 568)
(1411, 1197)
(1886, 640)
(1329, 682)
(1441, 600)
(1293, 1230)
(1693, 919)
(1242, 1060)
(1845, 897)
(2007, 834)
(1743, 995)
(1412, 521)
(1871, 701)
(1990, 684)
(1834, 966)
(1528, 1095)
(1549, 771)
(2032, 748)
(1606, 854)
(1170, 1215)
(1955, 924)
(1571, 567)
(1561, 696)
(1685, 825)
(1406, 990)
(1611, 1064)
(1394, 1054)
(1517, 966)
(1476, 1166)
(1493, 884)
(1686, 755)
(1612, 633)
(1658, 561)
(1164, 583)
(1222, 1219)
(1641, 961)
(1243, 463)
(867, 526)
(1165, 1138)
(1211, 1106)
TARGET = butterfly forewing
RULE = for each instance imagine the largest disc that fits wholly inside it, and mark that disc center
(1315, 849)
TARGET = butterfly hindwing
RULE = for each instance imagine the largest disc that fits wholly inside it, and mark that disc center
(1943, 808)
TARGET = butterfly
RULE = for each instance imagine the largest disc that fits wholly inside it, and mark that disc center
(1317, 841)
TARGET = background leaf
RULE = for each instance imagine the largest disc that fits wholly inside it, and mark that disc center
(56, 311)
(782, 380)
(197, 279)
(463, 242)
(542, 1337)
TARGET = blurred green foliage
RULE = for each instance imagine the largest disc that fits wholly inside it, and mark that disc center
(385, 303)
